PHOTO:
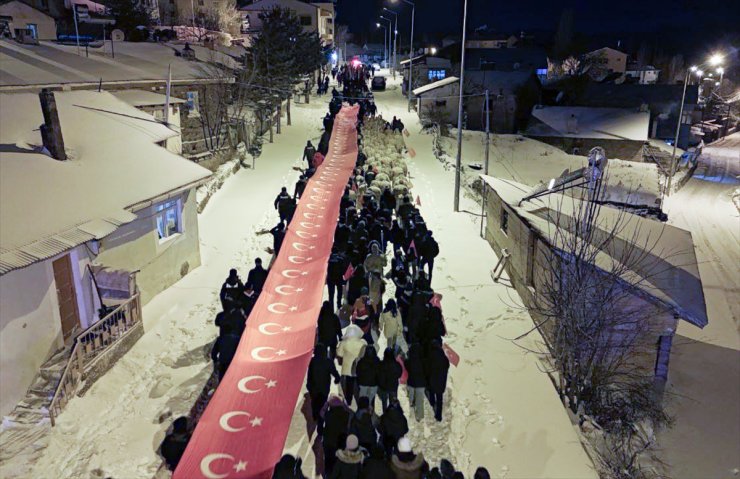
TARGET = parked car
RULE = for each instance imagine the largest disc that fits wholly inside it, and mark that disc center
(378, 83)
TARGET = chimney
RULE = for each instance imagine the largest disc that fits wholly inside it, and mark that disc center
(51, 130)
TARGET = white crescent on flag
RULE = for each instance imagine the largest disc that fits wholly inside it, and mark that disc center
(243, 384)
(308, 215)
(257, 353)
(306, 224)
(277, 308)
(299, 259)
(305, 234)
(302, 246)
(293, 273)
(287, 290)
(318, 190)
(224, 421)
(205, 465)
(316, 198)
(263, 328)
(312, 206)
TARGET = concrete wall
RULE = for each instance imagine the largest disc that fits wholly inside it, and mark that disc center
(528, 263)
(136, 246)
(30, 328)
(23, 15)
(447, 95)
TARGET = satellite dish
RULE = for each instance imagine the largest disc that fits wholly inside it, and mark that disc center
(117, 35)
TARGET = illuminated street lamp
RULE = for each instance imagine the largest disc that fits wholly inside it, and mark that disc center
(433, 50)
(395, 38)
(385, 34)
(411, 49)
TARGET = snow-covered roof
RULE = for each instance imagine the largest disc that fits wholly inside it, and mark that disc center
(144, 98)
(667, 268)
(48, 206)
(413, 59)
(50, 63)
(434, 85)
(588, 122)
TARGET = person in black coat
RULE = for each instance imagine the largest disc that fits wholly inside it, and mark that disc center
(376, 466)
(308, 152)
(232, 321)
(434, 326)
(416, 382)
(257, 277)
(224, 350)
(436, 367)
(231, 291)
(174, 444)
(364, 423)
(278, 235)
(389, 373)
(329, 329)
(367, 375)
(288, 467)
(428, 250)
(282, 204)
(300, 187)
(335, 270)
(318, 380)
(349, 460)
(333, 429)
(393, 426)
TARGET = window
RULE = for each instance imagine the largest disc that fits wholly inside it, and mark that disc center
(168, 216)
(435, 75)
(440, 103)
(504, 220)
(305, 20)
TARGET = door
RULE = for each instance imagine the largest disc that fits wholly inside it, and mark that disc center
(67, 297)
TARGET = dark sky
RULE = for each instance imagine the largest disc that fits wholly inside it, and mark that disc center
(694, 22)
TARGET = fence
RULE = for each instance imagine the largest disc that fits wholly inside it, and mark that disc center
(91, 344)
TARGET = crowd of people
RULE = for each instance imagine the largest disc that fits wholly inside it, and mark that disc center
(382, 326)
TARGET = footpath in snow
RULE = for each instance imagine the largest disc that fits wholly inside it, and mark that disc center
(501, 411)
(114, 430)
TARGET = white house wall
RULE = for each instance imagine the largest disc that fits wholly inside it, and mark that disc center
(30, 328)
(136, 246)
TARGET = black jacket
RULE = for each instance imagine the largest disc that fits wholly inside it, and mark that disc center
(230, 293)
(437, 365)
(320, 371)
(389, 372)
(363, 427)
(434, 326)
(376, 468)
(415, 368)
(282, 202)
(224, 348)
(256, 278)
(348, 465)
(337, 267)
(329, 328)
(336, 425)
(367, 370)
(393, 424)
(308, 153)
(173, 447)
(278, 235)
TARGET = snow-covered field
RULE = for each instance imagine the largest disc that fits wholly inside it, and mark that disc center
(113, 431)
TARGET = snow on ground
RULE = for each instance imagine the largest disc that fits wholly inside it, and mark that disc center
(529, 161)
(114, 430)
(705, 363)
(501, 411)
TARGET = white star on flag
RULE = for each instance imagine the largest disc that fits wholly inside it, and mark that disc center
(271, 384)
(281, 352)
(256, 422)
(240, 466)
(287, 328)
(294, 308)
(299, 290)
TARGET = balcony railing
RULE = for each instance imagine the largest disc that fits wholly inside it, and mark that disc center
(90, 345)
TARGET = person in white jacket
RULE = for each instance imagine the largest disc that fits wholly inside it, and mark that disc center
(350, 348)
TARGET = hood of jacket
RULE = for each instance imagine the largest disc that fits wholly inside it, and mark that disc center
(350, 457)
(353, 331)
(408, 466)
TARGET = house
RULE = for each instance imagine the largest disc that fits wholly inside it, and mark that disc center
(315, 17)
(644, 75)
(525, 58)
(491, 41)
(93, 212)
(607, 59)
(512, 94)
(21, 21)
(438, 100)
(663, 102)
(154, 104)
(661, 277)
(427, 69)
(182, 12)
(621, 132)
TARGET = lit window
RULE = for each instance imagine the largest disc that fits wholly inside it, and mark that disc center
(437, 75)
(168, 217)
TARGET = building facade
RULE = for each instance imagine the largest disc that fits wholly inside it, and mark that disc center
(314, 17)
(17, 19)
(607, 59)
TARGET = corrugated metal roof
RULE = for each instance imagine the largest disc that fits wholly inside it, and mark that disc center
(11, 259)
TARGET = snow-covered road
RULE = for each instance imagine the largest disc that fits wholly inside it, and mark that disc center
(705, 363)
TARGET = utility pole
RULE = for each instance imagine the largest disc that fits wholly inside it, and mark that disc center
(678, 131)
(458, 162)
(77, 30)
(485, 165)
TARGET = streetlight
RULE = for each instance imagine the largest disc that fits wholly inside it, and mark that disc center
(715, 60)
(395, 37)
(411, 49)
(433, 50)
(458, 162)
(390, 31)
(385, 33)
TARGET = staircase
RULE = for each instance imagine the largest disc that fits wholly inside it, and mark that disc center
(24, 432)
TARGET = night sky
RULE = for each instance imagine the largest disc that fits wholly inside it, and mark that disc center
(686, 22)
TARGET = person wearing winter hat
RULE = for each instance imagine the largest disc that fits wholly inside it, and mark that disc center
(406, 464)
(349, 460)
(376, 466)
(288, 467)
(482, 473)
(350, 348)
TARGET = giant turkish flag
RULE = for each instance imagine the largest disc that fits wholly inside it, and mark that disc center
(242, 431)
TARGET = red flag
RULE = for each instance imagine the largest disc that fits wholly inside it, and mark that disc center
(451, 354)
(348, 274)
(418, 200)
(404, 374)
